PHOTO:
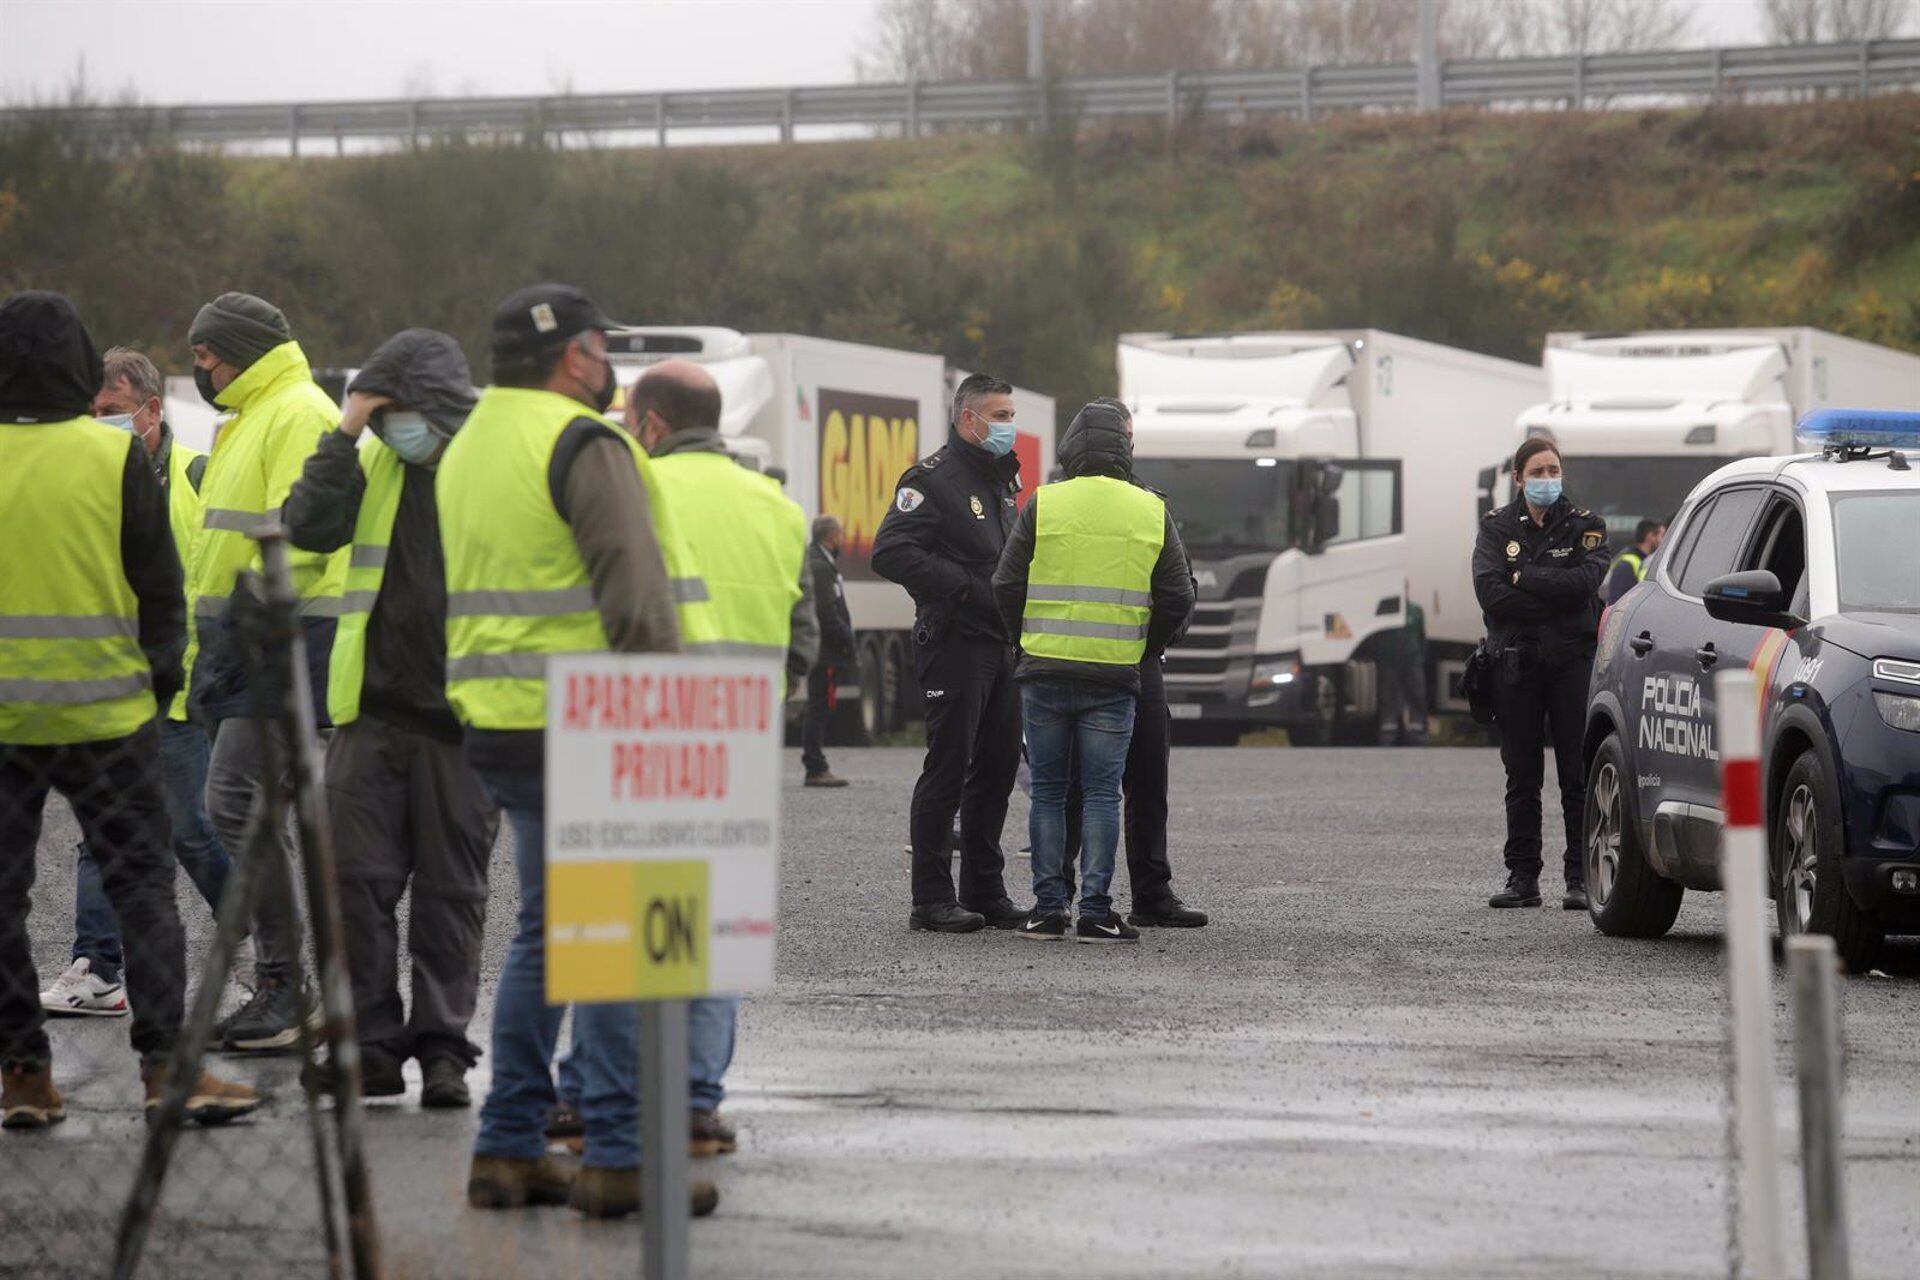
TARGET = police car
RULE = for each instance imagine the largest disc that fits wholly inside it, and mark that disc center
(1805, 570)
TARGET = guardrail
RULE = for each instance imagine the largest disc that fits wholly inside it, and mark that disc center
(1597, 79)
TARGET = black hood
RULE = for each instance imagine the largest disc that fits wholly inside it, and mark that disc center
(49, 368)
(425, 371)
(1098, 443)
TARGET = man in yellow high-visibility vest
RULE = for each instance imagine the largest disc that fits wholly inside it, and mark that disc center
(1092, 579)
(92, 627)
(245, 360)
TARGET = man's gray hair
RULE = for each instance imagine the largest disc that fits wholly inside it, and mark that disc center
(824, 525)
(974, 388)
(141, 377)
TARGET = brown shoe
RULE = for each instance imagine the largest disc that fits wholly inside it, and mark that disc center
(212, 1101)
(825, 779)
(28, 1099)
(709, 1135)
(507, 1182)
(615, 1193)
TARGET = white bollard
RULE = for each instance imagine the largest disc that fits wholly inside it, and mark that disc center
(1743, 882)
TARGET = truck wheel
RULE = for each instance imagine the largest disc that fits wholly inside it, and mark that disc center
(1810, 892)
(1626, 897)
(872, 710)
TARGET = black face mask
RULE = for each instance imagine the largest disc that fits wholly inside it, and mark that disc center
(203, 379)
(603, 398)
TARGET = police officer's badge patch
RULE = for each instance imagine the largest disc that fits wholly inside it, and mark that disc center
(908, 499)
(1513, 551)
(979, 510)
(1592, 538)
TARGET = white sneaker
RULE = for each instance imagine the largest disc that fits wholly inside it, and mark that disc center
(81, 993)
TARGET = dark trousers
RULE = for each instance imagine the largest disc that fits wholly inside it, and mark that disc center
(407, 809)
(1144, 820)
(1546, 704)
(114, 788)
(813, 725)
(1402, 703)
(236, 786)
(973, 752)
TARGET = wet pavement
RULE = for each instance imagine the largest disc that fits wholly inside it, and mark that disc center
(1356, 1070)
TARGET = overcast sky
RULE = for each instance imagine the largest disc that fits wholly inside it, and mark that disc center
(169, 51)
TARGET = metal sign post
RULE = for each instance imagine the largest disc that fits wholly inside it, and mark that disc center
(1812, 967)
(1743, 882)
(663, 837)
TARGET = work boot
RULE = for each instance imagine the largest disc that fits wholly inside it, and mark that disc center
(511, 1182)
(28, 1099)
(1521, 891)
(267, 1023)
(615, 1193)
(443, 1084)
(380, 1073)
(1000, 913)
(566, 1129)
(709, 1135)
(825, 778)
(1168, 913)
(1576, 899)
(211, 1100)
(946, 917)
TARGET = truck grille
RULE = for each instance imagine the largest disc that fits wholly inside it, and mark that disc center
(1216, 654)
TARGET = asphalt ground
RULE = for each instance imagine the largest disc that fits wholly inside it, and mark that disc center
(1356, 1070)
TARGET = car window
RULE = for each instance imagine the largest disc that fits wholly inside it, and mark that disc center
(1369, 502)
(1780, 545)
(1876, 540)
(1721, 536)
(1678, 546)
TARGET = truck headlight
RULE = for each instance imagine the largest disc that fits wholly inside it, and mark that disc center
(1898, 710)
(1275, 674)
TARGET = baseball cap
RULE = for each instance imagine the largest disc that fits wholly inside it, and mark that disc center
(541, 317)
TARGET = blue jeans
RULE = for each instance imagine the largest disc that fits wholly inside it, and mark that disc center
(606, 1037)
(710, 1033)
(184, 750)
(1062, 717)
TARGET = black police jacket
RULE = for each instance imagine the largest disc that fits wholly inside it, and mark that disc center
(1538, 586)
(942, 537)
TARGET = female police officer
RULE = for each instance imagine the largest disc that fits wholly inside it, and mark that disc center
(1536, 569)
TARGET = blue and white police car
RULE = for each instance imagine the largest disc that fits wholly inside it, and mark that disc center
(1806, 570)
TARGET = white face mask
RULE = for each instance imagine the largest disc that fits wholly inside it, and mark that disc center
(409, 435)
(124, 421)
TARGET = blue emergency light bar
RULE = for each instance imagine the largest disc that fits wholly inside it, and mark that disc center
(1849, 429)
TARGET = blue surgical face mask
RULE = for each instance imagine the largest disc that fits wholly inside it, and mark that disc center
(124, 421)
(1543, 492)
(999, 441)
(407, 434)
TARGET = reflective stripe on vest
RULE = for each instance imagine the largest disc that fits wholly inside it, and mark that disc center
(1090, 584)
(71, 669)
(366, 567)
(752, 542)
(517, 591)
(183, 514)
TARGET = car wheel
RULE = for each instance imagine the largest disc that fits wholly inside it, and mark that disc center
(1626, 897)
(1810, 892)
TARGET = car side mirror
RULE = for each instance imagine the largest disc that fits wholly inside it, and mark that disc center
(1754, 598)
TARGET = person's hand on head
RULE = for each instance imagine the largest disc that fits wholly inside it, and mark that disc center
(360, 408)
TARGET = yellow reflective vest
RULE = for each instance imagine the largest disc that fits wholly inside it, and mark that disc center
(517, 590)
(71, 668)
(751, 540)
(281, 414)
(1090, 586)
(183, 516)
(366, 567)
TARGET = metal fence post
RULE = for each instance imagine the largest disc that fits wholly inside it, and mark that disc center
(293, 130)
(1579, 81)
(1719, 74)
(1813, 969)
(1743, 880)
(1866, 67)
(660, 118)
(1306, 93)
(913, 108)
(663, 1138)
(786, 117)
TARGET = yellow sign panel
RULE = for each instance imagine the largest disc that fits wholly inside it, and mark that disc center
(626, 931)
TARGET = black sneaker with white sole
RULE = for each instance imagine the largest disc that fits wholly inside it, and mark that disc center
(268, 1023)
(1107, 928)
(1042, 927)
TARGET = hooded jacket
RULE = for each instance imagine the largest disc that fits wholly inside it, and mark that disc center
(405, 671)
(1097, 443)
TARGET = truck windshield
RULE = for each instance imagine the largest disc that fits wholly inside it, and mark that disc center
(1625, 491)
(1876, 542)
(1224, 506)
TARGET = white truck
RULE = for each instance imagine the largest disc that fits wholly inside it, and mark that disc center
(841, 422)
(1641, 418)
(1319, 481)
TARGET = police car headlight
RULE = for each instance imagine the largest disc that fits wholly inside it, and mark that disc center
(1274, 675)
(1899, 710)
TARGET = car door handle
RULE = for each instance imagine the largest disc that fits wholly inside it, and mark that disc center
(1641, 644)
(1707, 655)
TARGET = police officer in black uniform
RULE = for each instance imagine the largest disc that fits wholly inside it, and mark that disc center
(1537, 566)
(941, 540)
